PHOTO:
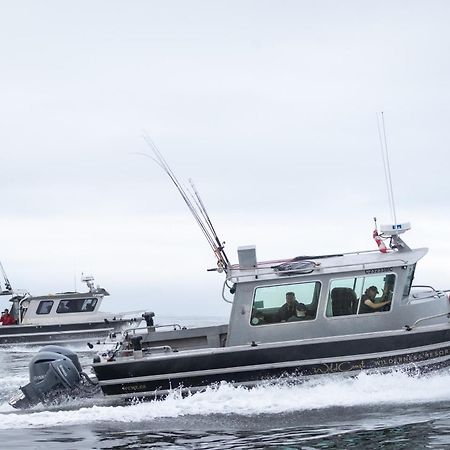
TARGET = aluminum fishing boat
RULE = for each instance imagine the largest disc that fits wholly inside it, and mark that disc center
(61, 318)
(290, 319)
(331, 328)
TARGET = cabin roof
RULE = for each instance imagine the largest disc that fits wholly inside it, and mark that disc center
(326, 264)
(100, 292)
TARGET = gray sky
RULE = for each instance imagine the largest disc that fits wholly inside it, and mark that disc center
(270, 106)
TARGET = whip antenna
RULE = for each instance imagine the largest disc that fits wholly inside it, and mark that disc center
(387, 168)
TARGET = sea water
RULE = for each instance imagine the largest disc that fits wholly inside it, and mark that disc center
(394, 410)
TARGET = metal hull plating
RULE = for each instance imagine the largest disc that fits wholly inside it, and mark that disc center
(248, 365)
(56, 334)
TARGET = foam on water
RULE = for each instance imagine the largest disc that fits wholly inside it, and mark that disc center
(393, 388)
(32, 349)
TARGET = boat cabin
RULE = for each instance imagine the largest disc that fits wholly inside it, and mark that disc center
(63, 307)
(327, 295)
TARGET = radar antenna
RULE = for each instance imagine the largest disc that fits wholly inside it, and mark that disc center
(89, 280)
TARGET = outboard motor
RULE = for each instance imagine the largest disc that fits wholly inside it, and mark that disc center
(54, 371)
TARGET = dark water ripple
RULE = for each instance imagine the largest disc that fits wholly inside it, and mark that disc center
(423, 427)
(397, 425)
(413, 436)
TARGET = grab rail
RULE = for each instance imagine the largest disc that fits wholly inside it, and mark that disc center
(287, 260)
(420, 295)
(165, 348)
(260, 271)
(174, 326)
(223, 292)
(411, 327)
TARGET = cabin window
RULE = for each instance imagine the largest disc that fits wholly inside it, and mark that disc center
(76, 305)
(44, 307)
(360, 295)
(409, 280)
(285, 303)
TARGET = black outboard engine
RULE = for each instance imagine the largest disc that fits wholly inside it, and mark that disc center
(53, 371)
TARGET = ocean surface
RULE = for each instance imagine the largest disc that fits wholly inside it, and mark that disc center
(390, 411)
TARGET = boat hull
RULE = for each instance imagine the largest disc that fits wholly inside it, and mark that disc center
(57, 334)
(248, 365)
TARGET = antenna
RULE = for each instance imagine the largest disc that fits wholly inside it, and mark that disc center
(393, 230)
(387, 168)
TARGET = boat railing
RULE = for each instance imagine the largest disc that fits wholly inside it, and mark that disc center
(136, 311)
(163, 348)
(423, 319)
(174, 326)
(430, 292)
(260, 270)
(288, 260)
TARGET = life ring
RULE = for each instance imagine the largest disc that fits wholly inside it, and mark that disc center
(381, 246)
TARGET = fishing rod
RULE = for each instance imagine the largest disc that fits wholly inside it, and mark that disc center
(220, 245)
(194, 203)
(5, 277)
(164, 166)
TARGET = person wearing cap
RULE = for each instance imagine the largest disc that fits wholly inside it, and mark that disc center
(7, 318)
(368, 303)
(292, 309)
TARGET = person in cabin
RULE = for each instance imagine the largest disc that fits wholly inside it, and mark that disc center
(292, 310)
(7, 318)
(369, 303)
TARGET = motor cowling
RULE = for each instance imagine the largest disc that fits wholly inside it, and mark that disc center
(52, 370)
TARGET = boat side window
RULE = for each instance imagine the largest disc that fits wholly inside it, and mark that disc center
(44, 307)
(76, 305)
(360, 295)
(285, 303)
(409, 280)
(89, 304)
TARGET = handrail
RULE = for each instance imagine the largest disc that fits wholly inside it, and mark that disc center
(173, 325)
(423, 286)
(223, 292)
(166, 348)
(256, 271)
(124, 313)
(411, 327)
(435, 292)
(286, 260)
